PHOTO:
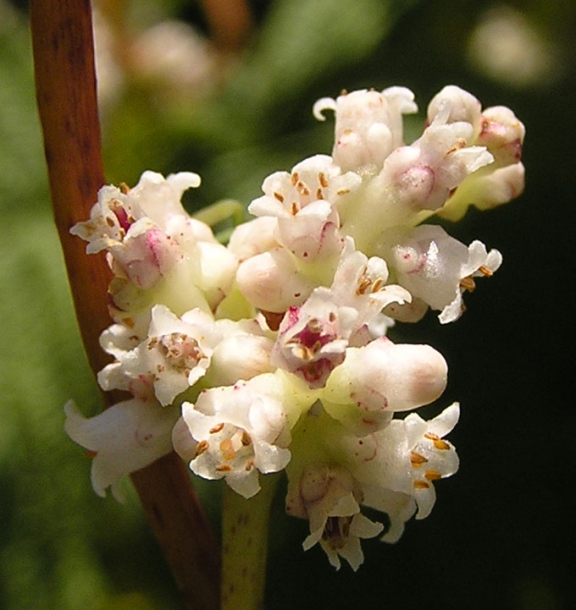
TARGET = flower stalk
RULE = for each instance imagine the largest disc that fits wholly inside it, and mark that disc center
(245, 526)
(66, 95)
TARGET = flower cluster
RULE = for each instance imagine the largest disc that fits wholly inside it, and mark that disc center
(271, 353)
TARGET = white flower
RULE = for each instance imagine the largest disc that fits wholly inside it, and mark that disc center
(422, 175)
(368, 125)
(457, 105)
(153, 199)
(122, 439)
(502, 134)
(327, 497)
(244, 352)
(176, 353)
(361, 283)
(496, 128)
(240, 431)
(313, 180)
(396, 467)
(431, 456)
(272, 282)
(437, 268)
(253, 237)
(486, 190)
(159, 197)
(132, 226)
(480, 263)
(312, 339)
(378, 379)
(303, 202)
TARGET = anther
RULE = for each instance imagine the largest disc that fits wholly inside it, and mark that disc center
(416, 459)
(432, 475)
(468, 283)
(227, 449)
(201, 448)
(438, 442)
(421, 485)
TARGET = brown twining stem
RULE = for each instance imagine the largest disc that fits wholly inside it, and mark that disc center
(63, 50)
(230, 23)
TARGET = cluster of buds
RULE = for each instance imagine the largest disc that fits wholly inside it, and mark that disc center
(270, 353)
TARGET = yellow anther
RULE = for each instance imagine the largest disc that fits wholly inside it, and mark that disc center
(201, 448)
(421, 485)
(468, 283)
(432, 475)
(279, 197)
(302, 189)
(485, 271)
(217, 428)
(417, 460)
(438, 442)
(227, 449)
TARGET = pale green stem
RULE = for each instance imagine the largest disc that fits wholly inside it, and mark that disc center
(226, 209)
(244, 546)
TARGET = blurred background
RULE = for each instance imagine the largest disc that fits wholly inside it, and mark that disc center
(187, 85)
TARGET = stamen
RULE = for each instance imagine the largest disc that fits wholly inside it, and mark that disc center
(417, 460)
(363, 285)
(468, 283)
(217, 428)
(227, 449)
(432, 475)
(438, 442)
(322, 179)
(485, 271)
(279, 197)
(201, 448)
(302, 188)
(421, 485)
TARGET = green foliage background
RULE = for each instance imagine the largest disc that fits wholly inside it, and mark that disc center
(502, 532)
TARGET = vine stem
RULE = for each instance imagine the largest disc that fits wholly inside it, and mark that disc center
(63, 50)
(245, 528)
